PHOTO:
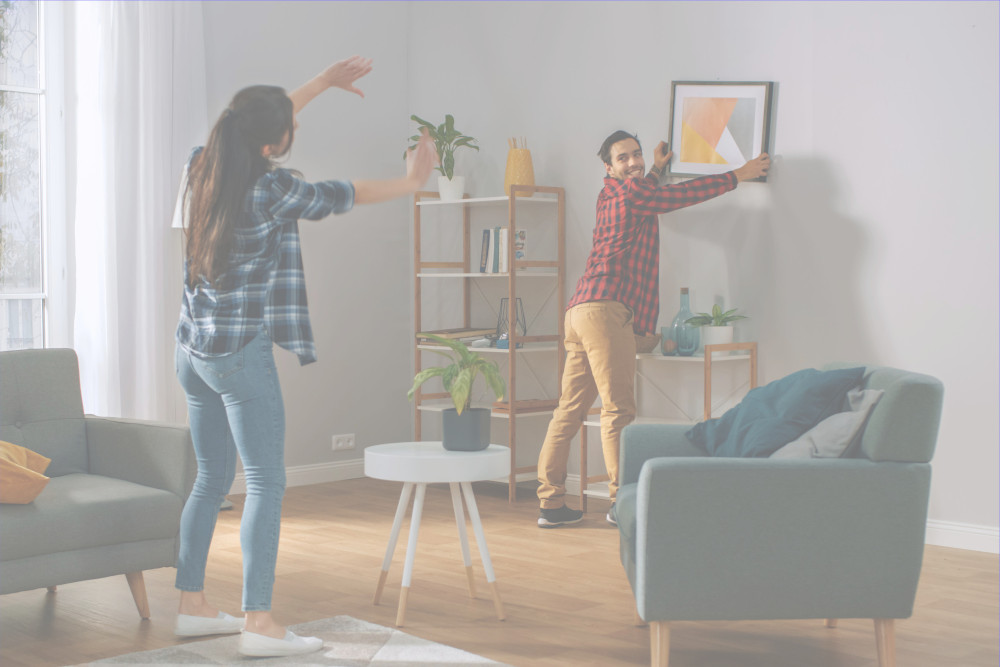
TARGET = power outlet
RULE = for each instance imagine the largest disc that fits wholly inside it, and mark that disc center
(345, 441)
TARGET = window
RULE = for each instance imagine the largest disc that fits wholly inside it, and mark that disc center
(22, 270)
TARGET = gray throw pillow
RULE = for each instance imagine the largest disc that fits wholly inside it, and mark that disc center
(833, 437)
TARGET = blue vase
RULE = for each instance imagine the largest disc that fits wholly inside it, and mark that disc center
(683, 335)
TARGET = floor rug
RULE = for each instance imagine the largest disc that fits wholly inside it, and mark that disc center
(347, 642)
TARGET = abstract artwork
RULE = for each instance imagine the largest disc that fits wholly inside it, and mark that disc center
(716, 127)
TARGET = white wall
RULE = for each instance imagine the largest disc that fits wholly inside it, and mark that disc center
(875, 239)
(357, 265)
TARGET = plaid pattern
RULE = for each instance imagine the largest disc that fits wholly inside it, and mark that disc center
(264, 285)
(624, 264)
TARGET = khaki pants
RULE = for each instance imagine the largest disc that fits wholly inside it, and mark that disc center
(600, 361)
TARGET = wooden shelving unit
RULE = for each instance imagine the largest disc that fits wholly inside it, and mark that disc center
(534, 270)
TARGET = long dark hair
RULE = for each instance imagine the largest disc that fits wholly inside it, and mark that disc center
(220, 176)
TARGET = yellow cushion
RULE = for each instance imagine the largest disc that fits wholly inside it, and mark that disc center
(21, 478)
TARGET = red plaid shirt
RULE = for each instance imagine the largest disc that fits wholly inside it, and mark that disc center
(624, 264)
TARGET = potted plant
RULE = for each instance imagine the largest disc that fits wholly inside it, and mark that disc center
(446, 139)
(464, 428)
(716, 327)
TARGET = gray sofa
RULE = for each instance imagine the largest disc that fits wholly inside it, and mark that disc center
(117, 487)
(709, 538)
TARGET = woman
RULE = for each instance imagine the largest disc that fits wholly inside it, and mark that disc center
(243, 290)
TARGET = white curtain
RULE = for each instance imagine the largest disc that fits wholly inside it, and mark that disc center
(140, 106)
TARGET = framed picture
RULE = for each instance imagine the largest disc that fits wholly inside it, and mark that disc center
(716, 127)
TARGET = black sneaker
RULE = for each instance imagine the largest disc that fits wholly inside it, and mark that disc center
(612, 517)
(560, 516)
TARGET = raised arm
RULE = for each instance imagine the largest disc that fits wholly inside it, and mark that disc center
(661, 157)
(341, 74)
(755, 168)
(419, 163)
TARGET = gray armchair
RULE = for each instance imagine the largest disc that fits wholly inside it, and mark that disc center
(705, 538)
(117, 487)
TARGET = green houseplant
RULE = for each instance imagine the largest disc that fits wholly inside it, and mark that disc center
(716, 318)
(716, 326)
(464, 427)
(446, 140)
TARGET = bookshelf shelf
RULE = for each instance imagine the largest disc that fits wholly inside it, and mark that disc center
(520, 274)
(430, 199)
(549, 207)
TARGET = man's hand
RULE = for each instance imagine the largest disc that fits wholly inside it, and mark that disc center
(344, 73)
(662, 155)
(755, 168)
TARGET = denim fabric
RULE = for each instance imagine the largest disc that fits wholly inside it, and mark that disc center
(234, 406)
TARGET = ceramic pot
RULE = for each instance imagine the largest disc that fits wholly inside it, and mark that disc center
(451, 189)
(466, 432)
(716, 335)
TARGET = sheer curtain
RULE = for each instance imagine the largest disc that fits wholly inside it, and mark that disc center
(140, 106)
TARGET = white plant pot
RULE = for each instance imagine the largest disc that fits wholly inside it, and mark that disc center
(717, 336)
(451, 189)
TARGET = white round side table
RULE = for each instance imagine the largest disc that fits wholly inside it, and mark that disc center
(418, 464)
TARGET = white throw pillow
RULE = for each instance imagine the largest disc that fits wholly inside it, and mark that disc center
(833, 436)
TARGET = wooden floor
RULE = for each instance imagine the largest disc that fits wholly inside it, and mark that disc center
(565, 594)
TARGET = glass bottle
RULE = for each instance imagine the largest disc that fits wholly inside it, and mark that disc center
(684, 336)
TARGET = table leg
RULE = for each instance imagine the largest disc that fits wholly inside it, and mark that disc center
(477, 527)
(411, 550)
(404, 501)
(463, 536)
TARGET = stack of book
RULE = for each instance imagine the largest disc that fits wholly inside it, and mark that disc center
(496, 249)
(457, 333)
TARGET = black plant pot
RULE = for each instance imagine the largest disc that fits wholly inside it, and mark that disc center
(466, 432)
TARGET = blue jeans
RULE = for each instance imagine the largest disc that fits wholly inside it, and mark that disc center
(234, 405)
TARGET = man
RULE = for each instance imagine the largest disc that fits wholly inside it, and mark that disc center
(616, 299)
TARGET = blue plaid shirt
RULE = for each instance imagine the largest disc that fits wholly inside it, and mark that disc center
(263, 286)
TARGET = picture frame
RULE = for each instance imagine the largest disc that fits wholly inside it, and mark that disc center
(717, 126)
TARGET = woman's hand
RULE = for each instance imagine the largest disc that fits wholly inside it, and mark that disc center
(421, 160)
(344, 73)
(341, 74)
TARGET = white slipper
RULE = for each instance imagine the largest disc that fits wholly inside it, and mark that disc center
(199, 626)
(262, 646)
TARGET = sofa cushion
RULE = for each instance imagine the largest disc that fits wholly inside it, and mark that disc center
(771, 416)
(837, 435)
(81, 511)
(21, 478)
(41, 408)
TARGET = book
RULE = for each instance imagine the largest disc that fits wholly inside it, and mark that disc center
(520, 245)
(496, 254)
(504, 250)
(486, 251)
(458, 332)
(491, 251)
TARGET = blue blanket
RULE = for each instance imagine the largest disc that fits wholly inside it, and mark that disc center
(773, 415)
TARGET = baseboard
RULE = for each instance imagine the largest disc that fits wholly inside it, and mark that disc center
(963, 536)
(939, 533)
(316, 473)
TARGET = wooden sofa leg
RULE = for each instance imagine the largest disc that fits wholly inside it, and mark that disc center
(659, 643)
(138, 587)
(831, 622)
(885, 641)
